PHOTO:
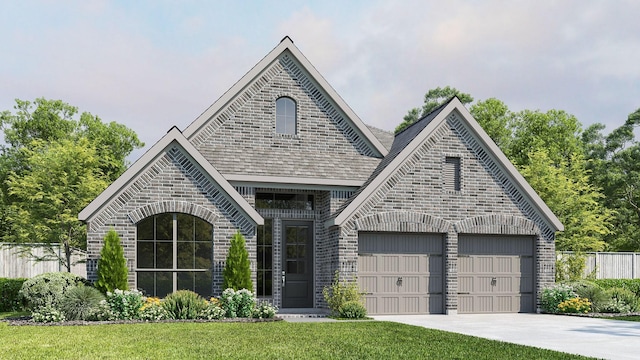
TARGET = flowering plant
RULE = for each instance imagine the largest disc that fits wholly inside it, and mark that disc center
(126, 305)
(264, 310)
(575, 305)
(554, 295)
(238, 303)
(47, 314)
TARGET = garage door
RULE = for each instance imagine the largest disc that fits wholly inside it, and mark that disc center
(401, 273)
(495, 274)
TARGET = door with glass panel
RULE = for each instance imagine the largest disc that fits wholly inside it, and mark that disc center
(297, 264)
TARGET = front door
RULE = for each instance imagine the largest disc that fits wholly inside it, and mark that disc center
(297, 264)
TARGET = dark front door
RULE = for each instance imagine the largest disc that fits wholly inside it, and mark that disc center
(297, 264)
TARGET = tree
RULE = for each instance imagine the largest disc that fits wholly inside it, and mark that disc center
(112, 266)
(495, 118)
(60, 179)
(34, 130)
(613, 160)
(237, 273)
(432, 99)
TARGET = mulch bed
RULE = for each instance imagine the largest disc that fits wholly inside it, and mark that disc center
(27, 321)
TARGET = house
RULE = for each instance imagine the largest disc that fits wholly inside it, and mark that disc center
(438, 222)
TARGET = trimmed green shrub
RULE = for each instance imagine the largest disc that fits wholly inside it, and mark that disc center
(47, 314)
(213, 311)
(264, 310)
(622, 297)
(10, 299)
(126, 304)
(184, 304)
(593, 292)
(48, 288)
(554, 295)
(237, 303)
(352, 310)
(341, 292)
(237, 271)
(112, 266)
(80, 302)
(632, 285)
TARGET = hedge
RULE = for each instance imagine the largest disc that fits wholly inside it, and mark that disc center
(632, 285)
(10, 300)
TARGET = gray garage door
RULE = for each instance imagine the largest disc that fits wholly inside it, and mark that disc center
(495, 274)
(401, 273)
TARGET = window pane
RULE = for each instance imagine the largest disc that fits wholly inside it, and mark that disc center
(291, 252)
(186, 281)
(145, 283)
(144, 254)
(268, 283)
(268, 231)
(164, 283)
(145, 229)
(268, 264)
(285, 116)
(164, 255)
(203, 283)
(164, 227)
(203, 255)
(185, 255)
(203, 230)
(185, 227)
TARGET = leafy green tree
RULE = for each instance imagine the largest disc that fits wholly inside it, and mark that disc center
(237, 273)
(613, 160)
(495, 118)
(60, 178)
(432, 99)
(112, 265)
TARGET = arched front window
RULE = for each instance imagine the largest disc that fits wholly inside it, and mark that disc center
(174, 251)
(286, 116)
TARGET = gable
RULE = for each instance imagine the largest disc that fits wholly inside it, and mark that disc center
(413, 178)
(171, 169)
(238, 133)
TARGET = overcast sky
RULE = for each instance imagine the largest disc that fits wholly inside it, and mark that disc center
(154, 64)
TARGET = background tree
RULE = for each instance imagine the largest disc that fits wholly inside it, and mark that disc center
(495, 118)
(112, 266)
(81, 156)
(237, 273)
(59, 180)
(432, 99)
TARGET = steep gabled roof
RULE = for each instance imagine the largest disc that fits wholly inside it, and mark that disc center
(409, 140)
(134, 171)
(286, 45)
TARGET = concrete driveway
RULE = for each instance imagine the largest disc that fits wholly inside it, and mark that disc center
(600, 338)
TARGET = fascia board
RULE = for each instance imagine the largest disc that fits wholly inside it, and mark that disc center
(315, 76)
(509, 168)
(287, 181)
(390, 169)
(133, 172)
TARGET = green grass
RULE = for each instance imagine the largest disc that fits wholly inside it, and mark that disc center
(4, 315)
(272, 340)
(625, 318)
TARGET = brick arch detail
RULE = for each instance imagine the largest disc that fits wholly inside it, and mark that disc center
(497, 224)
(169, 206)
(402, 221)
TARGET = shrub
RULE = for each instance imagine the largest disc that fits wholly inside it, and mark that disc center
(80, 302)
(264, 310)
(47, 314)
(103, 312)
(112, 266)
(238, 303)
(554, 295)
(212, 311)
(341, 292)
(593, 292)
(632, 285)
(570, 267)
(352, 310)
(622, 296)
(574, 306)
(152, 310)
(615, 306)
(237, 273)
(126, 304)
(48, 288)
(184, 304)
(10, 299)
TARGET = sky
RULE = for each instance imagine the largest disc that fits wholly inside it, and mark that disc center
(154, 64)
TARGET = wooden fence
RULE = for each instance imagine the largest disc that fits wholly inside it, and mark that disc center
(612, 265)
(15, 263)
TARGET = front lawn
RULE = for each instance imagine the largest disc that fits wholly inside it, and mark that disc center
(282, 340)
(625, 318)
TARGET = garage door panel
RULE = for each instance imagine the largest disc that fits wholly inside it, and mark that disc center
(495, 273)
(404, 278)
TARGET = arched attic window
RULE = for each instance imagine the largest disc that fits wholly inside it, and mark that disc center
(286, 117)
